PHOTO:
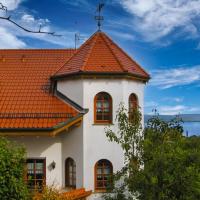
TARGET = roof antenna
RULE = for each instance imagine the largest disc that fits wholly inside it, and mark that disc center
(77, 39)
(99, 18)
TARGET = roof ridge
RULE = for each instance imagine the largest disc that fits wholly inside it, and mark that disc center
(87, 57)
(120, 64)
(127, 55)
(45, 49)
(62, 65)
(77, 51)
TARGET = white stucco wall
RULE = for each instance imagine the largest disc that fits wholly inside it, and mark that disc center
(95, 143)
(73, 89)
(87, 143)
(72, 146)
(57, 149)
(49, 148)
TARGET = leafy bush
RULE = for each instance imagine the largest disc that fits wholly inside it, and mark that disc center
(12, 159)
(160, 162)
(50, 193)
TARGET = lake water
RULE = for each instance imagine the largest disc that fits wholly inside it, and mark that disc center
(193, 128)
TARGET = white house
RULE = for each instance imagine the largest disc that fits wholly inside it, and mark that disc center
(57, 103)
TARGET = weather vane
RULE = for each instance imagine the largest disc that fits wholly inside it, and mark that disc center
(99, 18)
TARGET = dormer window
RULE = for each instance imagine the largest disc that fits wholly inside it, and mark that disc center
(103, 108)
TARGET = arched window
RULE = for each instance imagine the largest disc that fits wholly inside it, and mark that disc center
(70, 173)
(133, 104)
(103, 108)
(103, 174)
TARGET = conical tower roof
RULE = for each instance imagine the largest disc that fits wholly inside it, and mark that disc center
(100, 55)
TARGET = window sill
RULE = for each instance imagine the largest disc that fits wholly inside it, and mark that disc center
(69, 188)
(102, 124)
(100, 191)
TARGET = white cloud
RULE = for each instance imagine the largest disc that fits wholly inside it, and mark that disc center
(8, 38)
(31, 23)
(173, 99)
(9, 41)
(11, 4)
(155, 19)
(150, 104)
(172, 110)
(168, 78)
(76, 3)
(14, 35)
(164, 108)
(30, 20)
(122, 35)
(177, 109)
(177, 99)
(82, 5)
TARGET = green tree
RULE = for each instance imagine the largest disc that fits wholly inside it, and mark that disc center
(160, 163)
(12, 162)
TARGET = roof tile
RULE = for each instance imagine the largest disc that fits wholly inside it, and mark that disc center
(25, 79)
(24, 87)
(100, 54)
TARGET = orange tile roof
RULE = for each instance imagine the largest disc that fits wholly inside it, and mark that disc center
(24, 84)
(76, 194)
(25, 101)
(99, 54)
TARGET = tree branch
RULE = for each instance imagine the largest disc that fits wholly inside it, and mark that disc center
(2, 7)
(27, 30)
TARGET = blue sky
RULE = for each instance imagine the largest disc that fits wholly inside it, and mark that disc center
(162, 35)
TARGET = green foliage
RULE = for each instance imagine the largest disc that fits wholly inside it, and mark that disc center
(128, 134)
(161, 163)
(48, 193)
(12, 159)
